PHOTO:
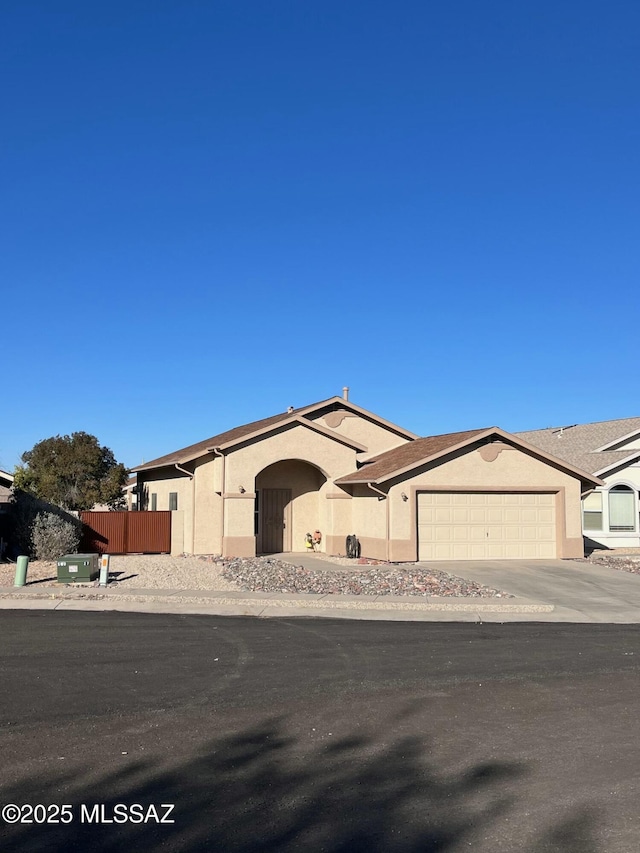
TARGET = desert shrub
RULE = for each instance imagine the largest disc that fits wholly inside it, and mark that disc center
(24, 510)
(53, 536)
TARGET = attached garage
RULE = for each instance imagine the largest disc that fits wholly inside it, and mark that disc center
(486, 525)
(475, 495)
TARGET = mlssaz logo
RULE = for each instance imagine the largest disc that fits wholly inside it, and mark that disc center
(122, 813)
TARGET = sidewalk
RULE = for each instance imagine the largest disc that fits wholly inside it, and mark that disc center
(541, 591)
(270, 605)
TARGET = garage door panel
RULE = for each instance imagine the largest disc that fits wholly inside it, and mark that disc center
(443, 516)
(482, 526)
(475, 500)
(456, 500)
(477, 516)
(476, 533)
(511, 515)
(460, 515)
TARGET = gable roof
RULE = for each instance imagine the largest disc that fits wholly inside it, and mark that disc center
(6, 479)
(581, 444)
(408, 455)
(255, 428)
(399, 460)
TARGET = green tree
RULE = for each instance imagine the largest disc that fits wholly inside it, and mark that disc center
(73, 472)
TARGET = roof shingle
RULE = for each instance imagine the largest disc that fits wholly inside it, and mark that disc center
(578, 444)
(405, 455)
(193, 451)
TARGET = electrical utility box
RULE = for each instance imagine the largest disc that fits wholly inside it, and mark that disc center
(78, 568)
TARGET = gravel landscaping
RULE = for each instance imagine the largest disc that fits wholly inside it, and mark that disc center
(262, 574)
(138, 571)
(623, 562)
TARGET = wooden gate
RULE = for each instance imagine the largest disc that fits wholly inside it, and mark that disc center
(126, 532)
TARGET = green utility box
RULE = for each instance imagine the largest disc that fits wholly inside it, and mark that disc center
(78, 568)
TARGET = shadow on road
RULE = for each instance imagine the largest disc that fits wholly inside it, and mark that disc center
(264, 790)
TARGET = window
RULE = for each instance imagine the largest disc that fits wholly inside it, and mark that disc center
(173, 500)
(592, 511)
(256, 514)
(154, 501)
(622, 509)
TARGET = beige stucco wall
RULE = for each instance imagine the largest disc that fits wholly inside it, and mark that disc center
(373, 436)
(162, 481)
(339, 523)
(207, 521)
(177, 533)
(244, 464)
(386, 528)
(218, 503)
(369, 514)
(297, 442)
(513, 469)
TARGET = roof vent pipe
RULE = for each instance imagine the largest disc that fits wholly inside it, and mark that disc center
(345, 393)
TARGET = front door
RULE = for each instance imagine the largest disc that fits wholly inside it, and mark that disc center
(274, 520)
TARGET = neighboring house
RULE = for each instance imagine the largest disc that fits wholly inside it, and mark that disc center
(6, 493)
(6, 490)
(333, 466)
(609, 450)
(130, 493)
(129, 496)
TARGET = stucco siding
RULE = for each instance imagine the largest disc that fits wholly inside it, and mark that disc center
(297, 442)
(375, 437)
(339, 523)
(512, 468)
(369, 517)
(208, 511)
(630, 476)
(161, 483)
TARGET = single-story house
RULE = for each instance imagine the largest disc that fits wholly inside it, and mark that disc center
(335, 467)
(610, 450)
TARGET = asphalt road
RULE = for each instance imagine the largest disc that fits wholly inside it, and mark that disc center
(291, 735)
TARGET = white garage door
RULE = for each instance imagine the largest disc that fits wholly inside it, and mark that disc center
(486, 526)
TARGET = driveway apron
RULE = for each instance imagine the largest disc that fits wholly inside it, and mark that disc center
(601, 593)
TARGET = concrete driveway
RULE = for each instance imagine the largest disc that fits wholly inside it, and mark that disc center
(596, 593)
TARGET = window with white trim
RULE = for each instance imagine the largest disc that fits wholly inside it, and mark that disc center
(592, 511)
(622, 509)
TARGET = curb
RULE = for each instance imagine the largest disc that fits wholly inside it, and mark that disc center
(270, 605)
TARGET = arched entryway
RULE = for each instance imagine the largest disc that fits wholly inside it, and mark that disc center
(287, 505)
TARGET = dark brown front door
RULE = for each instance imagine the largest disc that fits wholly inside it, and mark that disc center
(274, 521)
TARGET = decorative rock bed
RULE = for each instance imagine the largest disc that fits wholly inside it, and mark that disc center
(266, 574)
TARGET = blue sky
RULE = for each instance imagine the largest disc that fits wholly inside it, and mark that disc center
(214, 210)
